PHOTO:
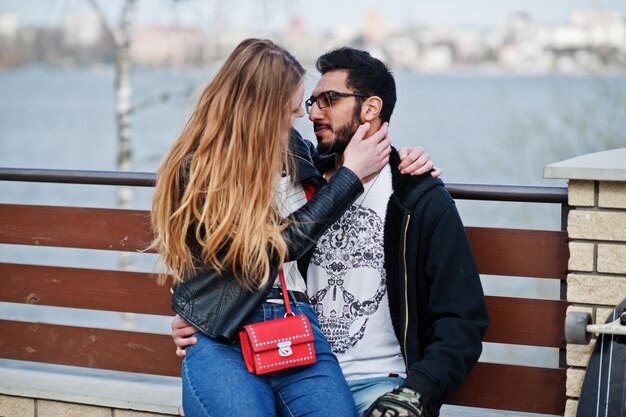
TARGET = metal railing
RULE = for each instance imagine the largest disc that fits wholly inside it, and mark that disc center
(492, 192)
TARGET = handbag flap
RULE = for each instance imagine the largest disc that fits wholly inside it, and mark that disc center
(291, 330)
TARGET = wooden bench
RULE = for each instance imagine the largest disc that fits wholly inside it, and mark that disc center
(504, 252)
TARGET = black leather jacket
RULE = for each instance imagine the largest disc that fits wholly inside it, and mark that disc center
(219, 306)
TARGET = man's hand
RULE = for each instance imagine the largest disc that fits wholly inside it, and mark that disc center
(367, 156)
(181, 332)
(416, 161)
(401, 402)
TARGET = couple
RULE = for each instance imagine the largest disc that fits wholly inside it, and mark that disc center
(393, 291)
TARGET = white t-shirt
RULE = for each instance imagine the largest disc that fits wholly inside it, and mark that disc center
(347, 282)
(290, 198)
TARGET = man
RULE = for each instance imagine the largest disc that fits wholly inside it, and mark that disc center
(393, 281)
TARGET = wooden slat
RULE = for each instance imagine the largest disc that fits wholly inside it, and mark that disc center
(91, 348)
(84, 288)
(525, 253)
(513, 320)
(75, 227)
(515, 388)
(518, 252)
(526, 321)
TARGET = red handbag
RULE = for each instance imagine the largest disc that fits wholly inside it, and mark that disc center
(278, 344)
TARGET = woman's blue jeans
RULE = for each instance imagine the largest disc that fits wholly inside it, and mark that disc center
(216, 382)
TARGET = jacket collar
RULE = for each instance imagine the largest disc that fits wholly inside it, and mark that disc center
(301, 151)
(408, 189)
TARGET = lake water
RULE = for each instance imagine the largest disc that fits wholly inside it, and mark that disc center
(496, 129)
(479, 128)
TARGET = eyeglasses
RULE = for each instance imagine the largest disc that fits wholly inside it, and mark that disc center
(325, 99)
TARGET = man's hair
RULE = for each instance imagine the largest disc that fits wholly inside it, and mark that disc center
(366, 75)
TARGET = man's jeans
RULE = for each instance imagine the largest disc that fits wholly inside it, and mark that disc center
(216, 382)
(366, 391)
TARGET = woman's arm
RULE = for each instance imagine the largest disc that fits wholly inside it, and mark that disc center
(362, 158)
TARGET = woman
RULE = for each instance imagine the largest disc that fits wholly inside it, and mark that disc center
(221, 232)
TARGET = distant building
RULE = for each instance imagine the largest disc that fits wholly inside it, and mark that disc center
(9, 26)
(295, 29)
(81, 30)
(602, 28)
(375, 30)
(590, 29)
(344, 33)
(436, 58)
(165, 45)
(403, 52)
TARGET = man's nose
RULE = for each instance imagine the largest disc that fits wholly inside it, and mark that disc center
(315, 113)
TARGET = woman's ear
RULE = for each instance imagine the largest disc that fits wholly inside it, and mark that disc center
(371, 108)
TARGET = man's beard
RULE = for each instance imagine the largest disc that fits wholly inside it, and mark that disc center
(343, 134)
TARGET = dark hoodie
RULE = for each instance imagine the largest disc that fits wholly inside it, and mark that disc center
(435, 296)
(436, 299)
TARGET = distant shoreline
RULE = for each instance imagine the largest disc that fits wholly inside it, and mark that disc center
(466, 71)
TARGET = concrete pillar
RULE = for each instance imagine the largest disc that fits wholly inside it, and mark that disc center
(596, 226)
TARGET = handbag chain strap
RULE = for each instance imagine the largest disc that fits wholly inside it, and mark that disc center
(283, 286)
(309, 191)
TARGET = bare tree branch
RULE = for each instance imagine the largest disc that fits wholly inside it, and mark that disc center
(104, 20)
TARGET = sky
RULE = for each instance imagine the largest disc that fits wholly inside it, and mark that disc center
(318, 15)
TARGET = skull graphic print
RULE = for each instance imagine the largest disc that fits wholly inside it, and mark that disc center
(344, 302)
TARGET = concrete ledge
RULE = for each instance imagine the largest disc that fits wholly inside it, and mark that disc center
(601, 166)
(127, 391)
(152, 393)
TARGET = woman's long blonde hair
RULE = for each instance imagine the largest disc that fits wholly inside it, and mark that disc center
(215, 197)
